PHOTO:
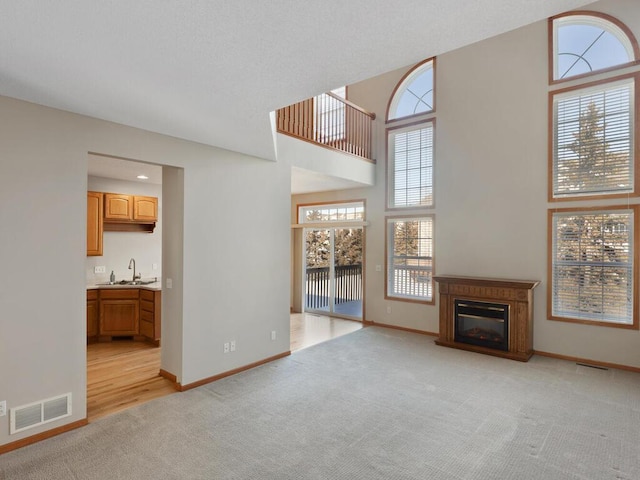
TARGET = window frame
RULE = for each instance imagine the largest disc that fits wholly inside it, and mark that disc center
(390, 174)
(635, 109)
(635, 209)
(401, 84)
(391, 220)
(357, 203)
(599, 16)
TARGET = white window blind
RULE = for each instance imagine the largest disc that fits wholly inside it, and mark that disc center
(411, 170)
(593, 140)
(410, 258)
(592, 265)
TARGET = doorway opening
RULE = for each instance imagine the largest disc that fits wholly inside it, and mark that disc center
(124, 334)
(333, 271)
(333, 259)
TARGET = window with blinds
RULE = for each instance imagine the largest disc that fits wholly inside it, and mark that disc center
(593, 140)
(410, 258)
(410, 174)
(592, 271)
(592, 275)
(330, 116)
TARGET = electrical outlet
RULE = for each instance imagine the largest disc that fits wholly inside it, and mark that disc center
(100, 269)
(154, 266)
(273, 334)
(169, 283)
(232, 345)
(3, 408)
(226, 347)
(378, 268)
(388, 309)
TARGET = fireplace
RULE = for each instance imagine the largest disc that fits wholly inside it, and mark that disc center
(482, 323)
(487, 315)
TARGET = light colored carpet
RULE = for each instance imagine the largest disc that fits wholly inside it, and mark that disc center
(374, 404)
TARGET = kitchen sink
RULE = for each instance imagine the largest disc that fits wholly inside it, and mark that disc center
(129, 282)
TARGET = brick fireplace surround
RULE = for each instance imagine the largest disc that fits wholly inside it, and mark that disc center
(517, 294)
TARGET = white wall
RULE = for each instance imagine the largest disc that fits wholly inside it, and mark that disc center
(119, 247)
(229, 262)
(325, 161)
(490, 183)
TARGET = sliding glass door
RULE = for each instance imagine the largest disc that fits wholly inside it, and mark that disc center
(333, 271)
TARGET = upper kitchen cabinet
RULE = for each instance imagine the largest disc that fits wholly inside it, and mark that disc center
(118, 206)
(94, 223)
(145, 209)
(130, 213)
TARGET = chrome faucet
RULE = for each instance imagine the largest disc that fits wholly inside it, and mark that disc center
(135, 277)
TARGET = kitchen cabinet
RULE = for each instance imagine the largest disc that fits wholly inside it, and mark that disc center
(150, 306)
(124, 312)
(119, 312)
(130, 213)
(94, 223)
(118, 207)
(145, 209)
(92, 314)
(130, 208)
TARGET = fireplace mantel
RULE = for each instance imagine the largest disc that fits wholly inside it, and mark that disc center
(517, 294)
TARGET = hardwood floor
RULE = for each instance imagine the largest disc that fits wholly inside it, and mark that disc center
(122, 374)
(310, 329)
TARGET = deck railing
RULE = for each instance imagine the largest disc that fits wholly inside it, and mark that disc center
(331, 121)
(348, 285)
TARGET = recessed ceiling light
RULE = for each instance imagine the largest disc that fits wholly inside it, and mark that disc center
(142, 177)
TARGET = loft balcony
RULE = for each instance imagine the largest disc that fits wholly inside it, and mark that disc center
(329, 143)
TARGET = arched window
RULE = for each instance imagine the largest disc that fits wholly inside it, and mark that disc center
(584, 43)
(415, 92)
(410, 161)
(593, 269)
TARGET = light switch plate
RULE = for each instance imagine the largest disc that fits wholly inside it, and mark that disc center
(3, 408)
(100, 269)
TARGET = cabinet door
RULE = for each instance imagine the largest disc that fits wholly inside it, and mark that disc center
(150, 306)
(92, 313)
(94, 224)
(145, 209)
(119, 317)
(92, 318)
(118, 206)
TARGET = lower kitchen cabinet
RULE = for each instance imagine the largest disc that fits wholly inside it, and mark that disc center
(119, 312)
(150, 303)
(124, 312)
(92, 314)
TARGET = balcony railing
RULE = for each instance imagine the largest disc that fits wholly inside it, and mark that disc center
(348, 286)
(330, 121)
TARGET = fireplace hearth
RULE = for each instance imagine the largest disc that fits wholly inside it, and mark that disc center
(487, 315)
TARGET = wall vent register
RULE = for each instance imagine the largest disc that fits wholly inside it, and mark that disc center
(39, 413)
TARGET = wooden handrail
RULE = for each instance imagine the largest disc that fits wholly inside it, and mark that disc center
(352, 105)
(330, 121)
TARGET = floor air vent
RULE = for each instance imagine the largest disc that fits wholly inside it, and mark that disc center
(39, 413)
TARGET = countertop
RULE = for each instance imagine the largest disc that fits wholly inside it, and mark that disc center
(156, 286)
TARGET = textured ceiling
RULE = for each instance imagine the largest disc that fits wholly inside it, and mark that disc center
(211, 70)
